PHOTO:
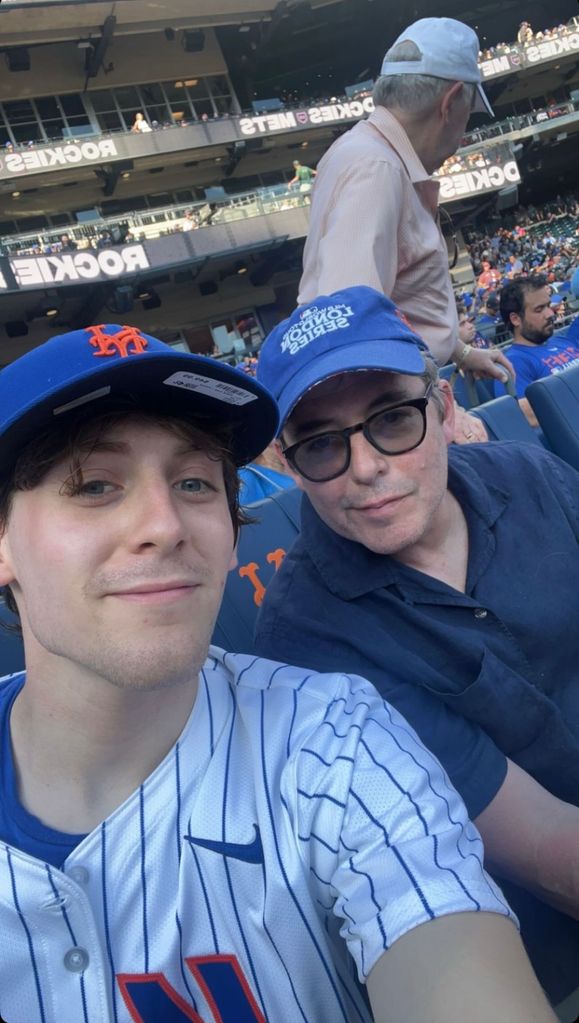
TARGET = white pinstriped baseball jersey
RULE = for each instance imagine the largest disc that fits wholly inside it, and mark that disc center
(296, 818)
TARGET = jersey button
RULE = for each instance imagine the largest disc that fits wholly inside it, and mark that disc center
(79, 874)
(76, 960)
(480, 612)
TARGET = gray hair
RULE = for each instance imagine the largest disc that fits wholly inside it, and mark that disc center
(413, 93)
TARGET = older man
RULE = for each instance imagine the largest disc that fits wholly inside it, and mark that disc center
(426, 569)
(374, 217)
(192, 837)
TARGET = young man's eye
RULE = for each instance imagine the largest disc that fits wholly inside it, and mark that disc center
(95, 488)
(193, 485)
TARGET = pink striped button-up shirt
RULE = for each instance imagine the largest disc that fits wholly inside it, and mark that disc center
(374, 221)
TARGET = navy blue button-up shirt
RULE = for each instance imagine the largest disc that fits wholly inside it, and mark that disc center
(482, 675)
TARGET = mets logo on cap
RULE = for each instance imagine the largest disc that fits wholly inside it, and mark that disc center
(315, 322)
(126, 341)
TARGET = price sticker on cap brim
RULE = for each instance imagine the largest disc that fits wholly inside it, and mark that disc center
(219, 389)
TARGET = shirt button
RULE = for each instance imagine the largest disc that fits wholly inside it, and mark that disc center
(79, 874)
(480, 612)
(76, 960)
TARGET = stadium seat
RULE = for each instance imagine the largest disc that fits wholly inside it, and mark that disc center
(505, 421)
(261, 549)
(555, 402)
(11, 650)
(462, 386)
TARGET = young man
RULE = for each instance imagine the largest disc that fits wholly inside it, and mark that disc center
(425, 568)
(193, 839)
(527, 310)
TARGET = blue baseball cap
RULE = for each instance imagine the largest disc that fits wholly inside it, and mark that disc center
(354, 329)
(109, 364)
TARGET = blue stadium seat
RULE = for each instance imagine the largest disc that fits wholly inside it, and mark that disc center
(261, 549)
(11, 650)
(555, 402)
(463, 387)
(484, 390)
(505, 421)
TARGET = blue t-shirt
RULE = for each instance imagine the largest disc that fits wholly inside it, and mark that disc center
(533, 362)
(482, 675)
(18, 827)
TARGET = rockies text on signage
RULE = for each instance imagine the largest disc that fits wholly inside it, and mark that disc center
(484, 180)
(537, 52)
(59, 156)
(35, 271)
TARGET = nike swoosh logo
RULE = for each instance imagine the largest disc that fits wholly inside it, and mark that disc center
(248, 853)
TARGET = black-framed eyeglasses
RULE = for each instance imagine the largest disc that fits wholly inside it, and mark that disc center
(392, 431)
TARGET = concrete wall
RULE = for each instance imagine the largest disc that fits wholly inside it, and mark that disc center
(59, 68)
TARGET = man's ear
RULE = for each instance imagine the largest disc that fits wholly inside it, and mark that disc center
(450, 97)
(515, 319)
(279, 446)
(7, 575)
(448, 411)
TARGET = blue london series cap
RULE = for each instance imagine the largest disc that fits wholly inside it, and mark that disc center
(354, 329)
(112, 363)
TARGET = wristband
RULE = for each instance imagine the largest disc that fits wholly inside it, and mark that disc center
(467, 349)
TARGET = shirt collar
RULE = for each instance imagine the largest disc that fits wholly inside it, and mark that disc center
(350, 570)
(392, 131)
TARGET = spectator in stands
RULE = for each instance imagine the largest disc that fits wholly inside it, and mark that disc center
(525, 33)
(433, 587)
(467, 331)
(189, 221)
(488, 320)
(515, 266)
(303, 176)
(490, 276)
(429, 82)
(140, 124)
(67, 244)
(526, 308)
(375, 218)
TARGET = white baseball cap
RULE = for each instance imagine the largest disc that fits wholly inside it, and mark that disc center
(449, 50)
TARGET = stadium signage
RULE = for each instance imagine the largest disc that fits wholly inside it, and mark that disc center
(549, 48)
(535, 52)
(283, 120)
(59, 156)
(37, 271)
(487, 179)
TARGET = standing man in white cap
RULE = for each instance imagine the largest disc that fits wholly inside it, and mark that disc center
(374, 217)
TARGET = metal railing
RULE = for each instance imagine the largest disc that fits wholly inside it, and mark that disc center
(144, 225)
